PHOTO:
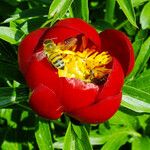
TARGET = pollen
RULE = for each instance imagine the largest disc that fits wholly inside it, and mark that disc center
(87, 65)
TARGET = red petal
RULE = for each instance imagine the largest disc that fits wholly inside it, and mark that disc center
(40, 72)
(45, 102)
(71, 26)
(27, 47)
(100, 111)
(77, 94)
(119, 46)
(114, 82)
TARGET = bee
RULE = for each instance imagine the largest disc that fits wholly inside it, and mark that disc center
(56, 53)
(101, 80)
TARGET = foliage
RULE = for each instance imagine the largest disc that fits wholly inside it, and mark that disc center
(21, 129)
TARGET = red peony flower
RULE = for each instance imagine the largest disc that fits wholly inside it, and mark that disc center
(72, 69)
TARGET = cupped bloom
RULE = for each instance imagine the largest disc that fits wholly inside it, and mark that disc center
(72, 69)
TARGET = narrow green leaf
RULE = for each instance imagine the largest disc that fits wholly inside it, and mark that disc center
(124, 119)
(138, 2)
(145, 17)
(10, 96)
(115, 142)
(85, 10)
(11, 35)
(97, 139)
(137, 46)
(140, 37)
(29, 13)
(43, 135)
(142, 59)
(136, 99)
(141, 143)
(80, 9)
(58, 9)
(127, 8)
(76, 138)
(136, 93)
(110, 8)
(11, 145)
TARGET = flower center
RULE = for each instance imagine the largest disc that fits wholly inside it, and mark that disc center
(87, 65)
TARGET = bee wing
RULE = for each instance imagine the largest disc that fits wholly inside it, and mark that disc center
(40, 55)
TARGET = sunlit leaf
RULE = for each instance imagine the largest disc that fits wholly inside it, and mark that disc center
(76, 138)
(136, 99)
(58, 9)
(127, 8)
(142, 59)
(43, 135)
(138, 2)
(10, 96)
(11, 35)
(145, 17)
(115, 142)
(141, 143)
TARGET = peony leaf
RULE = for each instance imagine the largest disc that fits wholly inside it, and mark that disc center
(127, 8)
(115, 142)
(141, 143)
(138, 2)
(145, 17)
(80, 9)
(58, 9)
(76, 138)
(10, 96)
(43, 135)
(136, 94)
(142, 59)
(11, 35)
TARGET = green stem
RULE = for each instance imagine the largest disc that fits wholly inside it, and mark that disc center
(110, 8)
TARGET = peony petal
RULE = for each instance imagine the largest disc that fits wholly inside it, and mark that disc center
(98, 112)
(59, 34)
(114, 82)
(45, 102)
(78, 25)
(119, 46)
(41, 72)
(27, 47)
(77, 94)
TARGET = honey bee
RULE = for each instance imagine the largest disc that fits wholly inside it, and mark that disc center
(96, 64)
(100, 81)
(56, 53)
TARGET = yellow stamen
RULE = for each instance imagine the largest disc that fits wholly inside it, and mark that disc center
(87, 65)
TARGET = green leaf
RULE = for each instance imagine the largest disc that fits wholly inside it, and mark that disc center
(98, 139)
(11, 35)
(43, 135)
(144, 18)
(29, 13)
(142, 59)
(123, 119)
(115, 142)
(76, 138)
(127, 8)
(136, 99)
(110, 8)
(138, 2)
(136, 94)
(80, 9)
(10, 96)
(139, 40)
(141, 143)
(58, 9)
